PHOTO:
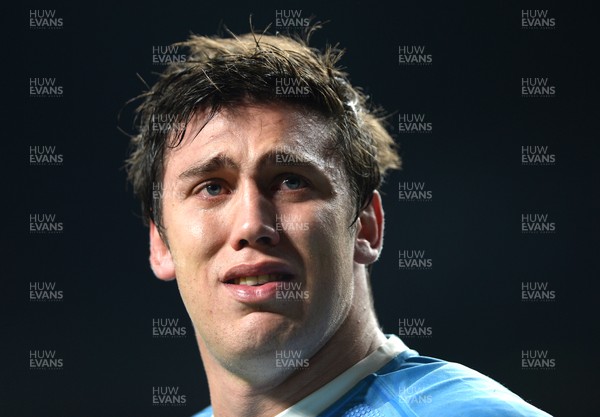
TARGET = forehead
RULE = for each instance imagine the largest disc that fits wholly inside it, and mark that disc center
(247, 132)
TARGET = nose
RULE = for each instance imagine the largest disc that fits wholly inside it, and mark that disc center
(253, 220)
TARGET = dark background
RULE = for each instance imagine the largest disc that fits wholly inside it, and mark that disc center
(471, 298)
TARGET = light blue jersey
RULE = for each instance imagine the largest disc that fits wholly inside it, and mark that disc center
(411, 385)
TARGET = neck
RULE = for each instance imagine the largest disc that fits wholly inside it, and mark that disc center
(232, 396)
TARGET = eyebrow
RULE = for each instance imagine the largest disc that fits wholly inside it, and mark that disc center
(297, 159)
(213, 164)
(222, 161)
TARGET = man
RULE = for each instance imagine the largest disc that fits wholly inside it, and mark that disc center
(267, 164)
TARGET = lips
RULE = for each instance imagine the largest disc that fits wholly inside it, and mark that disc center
(256, 283)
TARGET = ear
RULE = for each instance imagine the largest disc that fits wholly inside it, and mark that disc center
(369, 236)
(161, 260)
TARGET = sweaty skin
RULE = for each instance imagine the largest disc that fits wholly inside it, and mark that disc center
(227, 192)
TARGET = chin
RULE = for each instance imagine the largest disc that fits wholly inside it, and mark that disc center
(262, 329)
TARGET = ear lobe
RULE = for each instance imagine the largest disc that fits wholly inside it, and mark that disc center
(161, 260)
(369, 238)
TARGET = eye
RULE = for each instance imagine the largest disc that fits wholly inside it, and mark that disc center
(294, 182)
(211, 189)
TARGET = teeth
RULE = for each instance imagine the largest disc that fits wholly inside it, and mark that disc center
(257, 280)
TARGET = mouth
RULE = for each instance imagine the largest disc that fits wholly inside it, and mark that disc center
(257, 283)
(258, 280)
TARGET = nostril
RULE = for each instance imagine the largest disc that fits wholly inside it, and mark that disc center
(265, 240)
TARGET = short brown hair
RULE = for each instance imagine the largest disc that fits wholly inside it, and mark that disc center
(226, 72)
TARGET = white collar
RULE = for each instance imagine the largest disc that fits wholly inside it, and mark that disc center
(325, 396)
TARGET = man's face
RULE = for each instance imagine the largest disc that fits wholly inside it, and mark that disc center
(256, 195)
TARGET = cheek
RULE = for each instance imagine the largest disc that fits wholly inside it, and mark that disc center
(194, 237)
(188, 238)
(329, 270)
(330, 242)
(333, 219)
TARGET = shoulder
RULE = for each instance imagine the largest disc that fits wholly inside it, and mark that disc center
(419, 386)
(207, 412)
(454, 389)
